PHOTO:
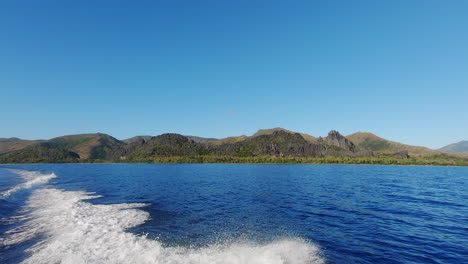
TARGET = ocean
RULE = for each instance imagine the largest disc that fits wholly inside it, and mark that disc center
(231, 213)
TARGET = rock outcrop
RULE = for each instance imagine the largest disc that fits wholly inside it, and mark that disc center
(334, 138)
(401, 155)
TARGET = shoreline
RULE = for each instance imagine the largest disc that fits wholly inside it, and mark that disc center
(233, 163)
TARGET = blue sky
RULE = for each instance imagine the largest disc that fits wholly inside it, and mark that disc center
(217, 68)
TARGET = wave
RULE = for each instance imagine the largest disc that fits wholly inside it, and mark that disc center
(31, 179)
(77, 231)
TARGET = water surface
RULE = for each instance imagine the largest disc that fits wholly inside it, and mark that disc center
(221, 213)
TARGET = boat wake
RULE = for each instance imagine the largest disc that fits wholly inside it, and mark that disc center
(31, 179)
(76, 231)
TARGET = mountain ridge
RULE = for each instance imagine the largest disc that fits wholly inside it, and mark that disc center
(385, 146)
(277, 143)
(11, 144)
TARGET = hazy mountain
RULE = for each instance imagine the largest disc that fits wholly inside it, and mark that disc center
(458, 148)
(12, 139)
(200, 139)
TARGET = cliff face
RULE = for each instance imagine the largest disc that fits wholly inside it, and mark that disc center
(284, 143)
(278, 143)
(165, 145)
(334, 138)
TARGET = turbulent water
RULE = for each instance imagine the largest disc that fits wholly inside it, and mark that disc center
(135, 213)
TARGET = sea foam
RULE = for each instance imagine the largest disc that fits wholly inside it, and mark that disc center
(31, 179)
(76, 231)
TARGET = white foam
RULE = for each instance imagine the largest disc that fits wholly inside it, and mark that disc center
(31, 178)
(77, 231)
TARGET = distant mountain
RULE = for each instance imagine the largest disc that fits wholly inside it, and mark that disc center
(278, 143)
(42, 152)
(200, 139)
(137, 139)
(458, 148)
(379, 145)
(260, 132)
(12, 139)
(266, 145)
(165, 145)
(68, 148)
(228, 140)
(89, 146)
(11, 144)
(270, 131)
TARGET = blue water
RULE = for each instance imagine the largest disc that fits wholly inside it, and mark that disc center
(220, 213)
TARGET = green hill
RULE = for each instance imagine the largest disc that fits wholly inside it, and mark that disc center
(228, 140)
(44, 152)
(166, 145)
(270, 131)
(276, 145)
(12, 144)
(379, 145)
(90, 146)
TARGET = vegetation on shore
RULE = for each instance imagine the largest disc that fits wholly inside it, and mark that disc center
(275, 146)
(436, 160)
(439, 160)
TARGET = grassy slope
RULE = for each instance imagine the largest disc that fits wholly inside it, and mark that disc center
(96, 146)
(383, 146)
(11, 145)
(43, 152)
(260, 132)
(228, 140)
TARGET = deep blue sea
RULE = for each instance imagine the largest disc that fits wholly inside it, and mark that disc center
(222, 213)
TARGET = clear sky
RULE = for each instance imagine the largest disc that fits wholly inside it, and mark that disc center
(223, 68)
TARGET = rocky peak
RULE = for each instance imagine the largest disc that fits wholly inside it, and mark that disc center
(334, 138)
